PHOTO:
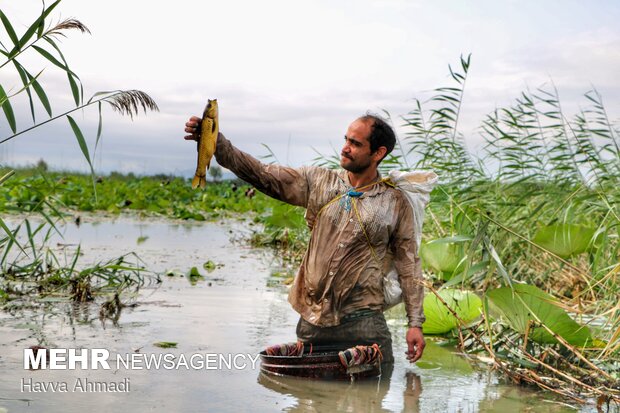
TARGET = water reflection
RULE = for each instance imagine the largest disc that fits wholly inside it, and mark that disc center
(46, 320)
(443, 382)
(366, 395)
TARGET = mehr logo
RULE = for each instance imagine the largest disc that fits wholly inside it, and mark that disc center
(65, 359)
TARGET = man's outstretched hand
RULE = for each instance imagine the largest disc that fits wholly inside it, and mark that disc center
(191, 127)
(415, 344)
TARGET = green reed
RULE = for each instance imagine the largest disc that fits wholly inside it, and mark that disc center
(26, 257)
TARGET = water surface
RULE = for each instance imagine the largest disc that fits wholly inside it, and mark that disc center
(236, 310)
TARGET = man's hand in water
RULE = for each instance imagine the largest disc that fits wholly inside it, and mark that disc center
(415, 344)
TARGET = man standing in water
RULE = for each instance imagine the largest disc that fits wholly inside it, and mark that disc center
(359, 225)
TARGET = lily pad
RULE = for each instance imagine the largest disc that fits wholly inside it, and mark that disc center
(166, 344)
(439, 319)
(443, 258)
(211, 266)
(527, 304)
(445, 358)
(193, 275)
(565, 240)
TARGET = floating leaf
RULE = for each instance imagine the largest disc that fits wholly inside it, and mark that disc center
(527, 305)
(440, 319)
(193, 275)
(193, 272)
(447, 359)
(565, 240)
(166, 344)
(173, 273)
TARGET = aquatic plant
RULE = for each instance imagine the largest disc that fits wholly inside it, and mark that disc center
(538, 205)
(439, 310)
(70, 192)
(41, 38)
(34, 269)
(30, 267)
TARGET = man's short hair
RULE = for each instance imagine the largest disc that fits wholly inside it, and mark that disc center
(381, 133)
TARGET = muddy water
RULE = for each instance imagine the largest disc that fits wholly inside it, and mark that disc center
(235, 311)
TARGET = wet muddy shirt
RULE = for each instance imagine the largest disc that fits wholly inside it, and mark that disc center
(338, 274)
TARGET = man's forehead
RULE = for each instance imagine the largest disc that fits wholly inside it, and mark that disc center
(359, 130)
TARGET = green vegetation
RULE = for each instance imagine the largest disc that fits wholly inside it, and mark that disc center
(33, 270)
(440, 320)
(530, 224)
(64, 194)
(35, 273)
(32, 189)
(42, 37)
(166, 344)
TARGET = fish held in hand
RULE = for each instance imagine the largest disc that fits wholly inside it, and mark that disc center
(209, 129)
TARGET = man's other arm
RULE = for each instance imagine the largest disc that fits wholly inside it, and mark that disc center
(407, 264)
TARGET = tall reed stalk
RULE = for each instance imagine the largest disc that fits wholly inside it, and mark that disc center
(26, 260)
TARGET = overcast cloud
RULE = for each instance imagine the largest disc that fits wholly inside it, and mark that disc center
(293, 75)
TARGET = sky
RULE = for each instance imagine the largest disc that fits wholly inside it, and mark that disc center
(292, 75)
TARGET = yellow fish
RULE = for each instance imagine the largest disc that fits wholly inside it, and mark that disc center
(209, 130)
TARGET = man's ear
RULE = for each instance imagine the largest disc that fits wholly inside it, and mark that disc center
(379, 153)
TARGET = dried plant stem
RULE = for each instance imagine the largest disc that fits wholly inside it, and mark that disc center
(594, 390)
(603, 391)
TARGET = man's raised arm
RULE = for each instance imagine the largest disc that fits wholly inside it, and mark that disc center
(284, 183)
